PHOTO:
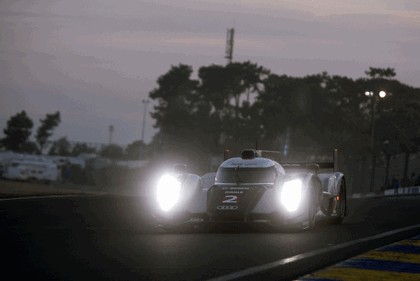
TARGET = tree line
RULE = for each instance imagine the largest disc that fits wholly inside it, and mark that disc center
(18, 132)
(242, 104)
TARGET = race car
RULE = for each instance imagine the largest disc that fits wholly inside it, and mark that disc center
(253, 189)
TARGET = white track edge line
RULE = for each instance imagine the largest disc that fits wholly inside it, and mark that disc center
(271, 265)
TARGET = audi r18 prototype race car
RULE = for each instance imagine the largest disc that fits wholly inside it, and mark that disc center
(253, 189)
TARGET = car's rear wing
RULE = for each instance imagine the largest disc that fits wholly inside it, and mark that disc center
(315, 166)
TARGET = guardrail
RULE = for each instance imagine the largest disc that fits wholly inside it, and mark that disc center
(412, 190)
(403, 190)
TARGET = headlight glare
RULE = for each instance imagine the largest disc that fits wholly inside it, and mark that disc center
(168, 189)
(291, 194)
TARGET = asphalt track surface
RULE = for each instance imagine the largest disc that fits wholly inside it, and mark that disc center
(113, 238)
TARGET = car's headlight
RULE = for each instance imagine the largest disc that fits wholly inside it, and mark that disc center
(168, 189)
(291, 194)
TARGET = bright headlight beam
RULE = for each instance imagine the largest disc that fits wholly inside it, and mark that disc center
(291, 194)
(168, 189)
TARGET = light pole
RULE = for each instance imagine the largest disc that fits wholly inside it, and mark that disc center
(387, 150)
(373, 100)
(145, 102)
(110, 130)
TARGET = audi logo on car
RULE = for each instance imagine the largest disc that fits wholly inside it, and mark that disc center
(227, 208)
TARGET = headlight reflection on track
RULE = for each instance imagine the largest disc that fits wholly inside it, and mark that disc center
(168, 189)
(291, 194)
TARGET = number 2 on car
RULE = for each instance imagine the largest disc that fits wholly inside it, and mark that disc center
(230, 199)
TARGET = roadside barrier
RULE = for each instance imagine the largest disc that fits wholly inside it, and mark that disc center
(412, 190)
(403, 190)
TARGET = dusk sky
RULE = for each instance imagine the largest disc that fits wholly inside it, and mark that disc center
(95, 61)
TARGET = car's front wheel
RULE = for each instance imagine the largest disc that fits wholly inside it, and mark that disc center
(312, 210)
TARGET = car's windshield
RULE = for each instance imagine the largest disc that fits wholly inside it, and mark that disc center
(246, 175)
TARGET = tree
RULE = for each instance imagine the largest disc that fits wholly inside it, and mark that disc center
(135, 150)
(60, 147)
(176, 102)
(112, 151)
(173, 95)
(293, 111)
(80, 148)
(49, 123)
(345, 123)
(199, 118)
(374, 72)
(400, 114)
(225, 93)
(391, 118)
(17, 133)
(311, 114)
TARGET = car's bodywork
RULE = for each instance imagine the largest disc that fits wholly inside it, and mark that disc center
(254, 188)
